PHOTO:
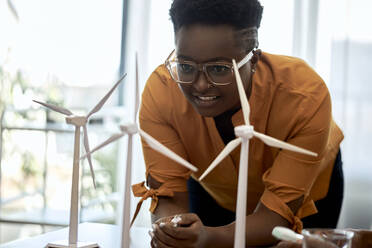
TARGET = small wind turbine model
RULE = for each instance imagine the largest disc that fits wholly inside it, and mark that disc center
(131, 129)
(78, 122)
(244, 134)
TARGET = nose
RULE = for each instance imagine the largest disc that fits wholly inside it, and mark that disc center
(201, 83)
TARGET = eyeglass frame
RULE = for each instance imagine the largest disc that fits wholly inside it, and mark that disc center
(202, 67)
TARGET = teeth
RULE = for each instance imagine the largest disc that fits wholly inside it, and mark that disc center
(207, 98)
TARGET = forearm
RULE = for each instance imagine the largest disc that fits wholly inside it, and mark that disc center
(221, 236)
(168, 206)
(259, 226)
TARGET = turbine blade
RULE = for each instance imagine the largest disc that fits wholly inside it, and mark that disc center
(108, 141)
(281, 144)
(13, 10)
(243, 97)
(226, 151)
(87, 150)
(159, 147)
(55, 108)
(136, 103)
(104, 99)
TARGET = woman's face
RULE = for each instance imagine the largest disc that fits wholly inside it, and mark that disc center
(204, 43)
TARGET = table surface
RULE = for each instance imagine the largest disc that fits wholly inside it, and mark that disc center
(107, 236)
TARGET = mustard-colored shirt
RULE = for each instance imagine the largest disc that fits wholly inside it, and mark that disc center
(289, 101)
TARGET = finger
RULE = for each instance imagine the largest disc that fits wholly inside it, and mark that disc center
(164, 237)
(172, 241)
(185, 228)
(164, 220)
(152, 244)
(159, 244)
(189, 233)
(188, 219)
(152, 239)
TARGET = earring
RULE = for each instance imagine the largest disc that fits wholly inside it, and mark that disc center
(256, 56)
(255, 59)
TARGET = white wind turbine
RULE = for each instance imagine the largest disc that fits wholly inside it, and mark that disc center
(78, 122)
(244, 134)
(131, 129)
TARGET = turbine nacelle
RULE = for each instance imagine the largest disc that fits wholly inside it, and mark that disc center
(76, 120)
(129, 128)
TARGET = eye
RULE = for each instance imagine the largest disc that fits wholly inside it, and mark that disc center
(186, 68)
(218, 70)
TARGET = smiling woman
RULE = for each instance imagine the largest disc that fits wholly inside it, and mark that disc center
(191, 104)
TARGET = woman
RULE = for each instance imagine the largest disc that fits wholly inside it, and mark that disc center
(191, 105)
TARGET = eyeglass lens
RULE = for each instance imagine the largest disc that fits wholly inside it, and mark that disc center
(186, 72)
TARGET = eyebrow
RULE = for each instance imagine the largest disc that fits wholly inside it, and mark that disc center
(206, 61)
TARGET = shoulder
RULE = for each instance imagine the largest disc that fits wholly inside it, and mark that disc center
(290, 84)
(292, 75)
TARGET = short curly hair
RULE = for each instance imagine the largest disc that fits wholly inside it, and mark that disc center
(240, 14)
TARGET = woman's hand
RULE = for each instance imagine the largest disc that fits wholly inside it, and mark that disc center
(188, 232)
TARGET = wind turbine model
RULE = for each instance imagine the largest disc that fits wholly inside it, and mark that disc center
(131, 129)
(78, 122)
(245, 133)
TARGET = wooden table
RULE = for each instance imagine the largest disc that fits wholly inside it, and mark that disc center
(107, 236)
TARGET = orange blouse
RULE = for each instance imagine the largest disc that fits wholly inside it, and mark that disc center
(289, 101)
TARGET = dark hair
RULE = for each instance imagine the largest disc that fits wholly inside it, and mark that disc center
(240, 14)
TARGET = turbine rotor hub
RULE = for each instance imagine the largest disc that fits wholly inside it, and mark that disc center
(244, 131)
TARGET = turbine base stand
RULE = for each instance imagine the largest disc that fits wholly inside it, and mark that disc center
(65, 244)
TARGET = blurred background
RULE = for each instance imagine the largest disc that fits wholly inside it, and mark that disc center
(70, 52)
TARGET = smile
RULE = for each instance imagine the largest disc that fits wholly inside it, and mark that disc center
(207, 98)
(205, 101)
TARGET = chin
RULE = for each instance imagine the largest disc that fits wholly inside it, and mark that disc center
(213, 110)
(207, 112)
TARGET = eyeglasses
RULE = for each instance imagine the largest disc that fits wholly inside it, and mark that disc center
(217, 73)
